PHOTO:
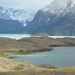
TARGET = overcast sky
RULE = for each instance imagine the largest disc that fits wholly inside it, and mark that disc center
(33, 5)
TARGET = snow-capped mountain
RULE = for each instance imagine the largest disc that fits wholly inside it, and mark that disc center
(58, 6)
(57, 18)
(16, 14)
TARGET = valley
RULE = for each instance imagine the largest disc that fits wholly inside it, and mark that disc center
(31, 45)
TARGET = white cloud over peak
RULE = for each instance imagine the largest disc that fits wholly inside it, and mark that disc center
(30, 5)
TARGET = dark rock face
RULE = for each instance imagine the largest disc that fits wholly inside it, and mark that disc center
(9, 26)
(13, 20)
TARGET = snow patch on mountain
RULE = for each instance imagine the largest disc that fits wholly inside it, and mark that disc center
(73, 3)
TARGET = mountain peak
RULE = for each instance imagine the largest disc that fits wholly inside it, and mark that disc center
(58, 6)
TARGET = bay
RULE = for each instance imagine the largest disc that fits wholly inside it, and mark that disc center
(60, 56)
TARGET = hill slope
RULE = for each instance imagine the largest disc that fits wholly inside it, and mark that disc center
(10, 65)
(34, 43)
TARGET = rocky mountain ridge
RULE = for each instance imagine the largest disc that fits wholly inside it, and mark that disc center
(16, 14)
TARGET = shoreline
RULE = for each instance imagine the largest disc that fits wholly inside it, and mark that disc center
(21, 52)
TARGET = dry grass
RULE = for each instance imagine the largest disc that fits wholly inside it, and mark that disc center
(64, 71)
(10, 65)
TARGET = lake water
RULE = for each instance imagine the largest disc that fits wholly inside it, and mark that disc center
(60, 56)
(15, 36)
(19, 36)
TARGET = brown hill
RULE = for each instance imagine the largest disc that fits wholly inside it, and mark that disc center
(34, 43)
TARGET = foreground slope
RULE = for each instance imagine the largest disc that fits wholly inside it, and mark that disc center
(10, 67)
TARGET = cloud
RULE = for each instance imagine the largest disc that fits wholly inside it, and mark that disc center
(33, 5)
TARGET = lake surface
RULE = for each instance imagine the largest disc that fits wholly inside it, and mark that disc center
(19, 36)
(15, 36)
(60, 56)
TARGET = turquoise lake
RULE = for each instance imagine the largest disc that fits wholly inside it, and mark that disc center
(19, 36)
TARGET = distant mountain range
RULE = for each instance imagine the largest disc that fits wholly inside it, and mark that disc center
(16, 14)
(11, 20)
(57, 18)
(10, 26)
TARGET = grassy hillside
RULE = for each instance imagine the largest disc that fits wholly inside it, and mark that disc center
(10, 67)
